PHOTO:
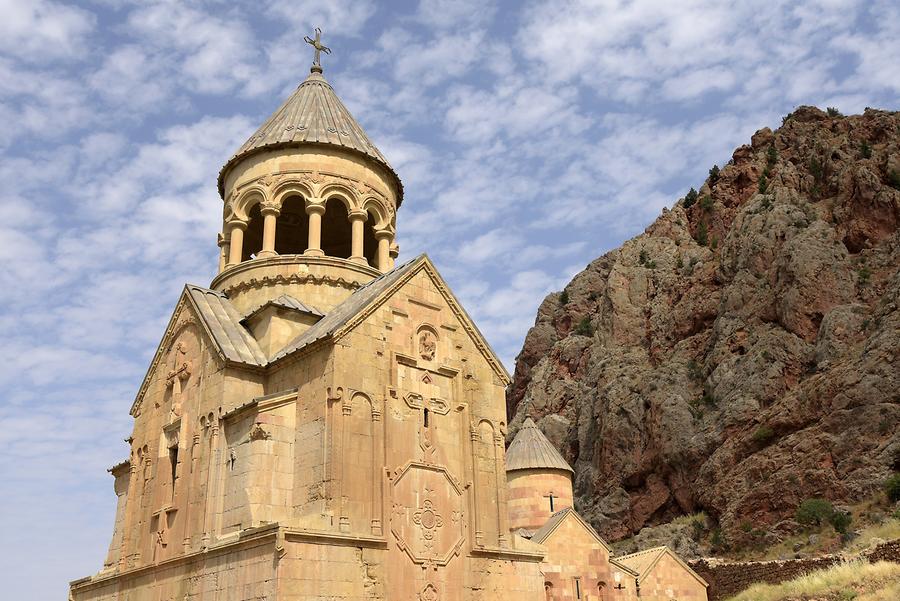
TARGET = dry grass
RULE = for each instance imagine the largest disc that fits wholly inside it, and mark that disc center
(851, 580)
(869, 533)
(889, 529)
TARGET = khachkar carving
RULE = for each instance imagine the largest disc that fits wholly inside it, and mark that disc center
(427, 517)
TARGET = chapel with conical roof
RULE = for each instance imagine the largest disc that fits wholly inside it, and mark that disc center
(320, 422)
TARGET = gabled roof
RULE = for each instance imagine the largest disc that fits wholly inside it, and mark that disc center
(221, 322)
(369, 297)
(530, 450)
(313, 114)
(234, 343)
(286, 301)
(349, 308)
(623, 567)
(643, 562)
(544, 532)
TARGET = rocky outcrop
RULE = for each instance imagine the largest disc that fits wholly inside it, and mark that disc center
(741, 354)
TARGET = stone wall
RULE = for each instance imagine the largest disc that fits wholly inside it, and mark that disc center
(889, 551)
(727, 579)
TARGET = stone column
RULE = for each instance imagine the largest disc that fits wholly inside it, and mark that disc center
(384, 250)
(270, 213)
(315, 210)
(394, 253)
(357, 229)
(236, 244)
(222, 241)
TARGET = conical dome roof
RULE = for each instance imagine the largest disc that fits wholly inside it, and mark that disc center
(531, 450)
(313, 114)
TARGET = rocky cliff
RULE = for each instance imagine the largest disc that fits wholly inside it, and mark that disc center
(741, 354)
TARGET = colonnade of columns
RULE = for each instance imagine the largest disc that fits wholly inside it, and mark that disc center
(231, 244)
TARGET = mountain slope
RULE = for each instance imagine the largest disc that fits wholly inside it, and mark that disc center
(741, 354)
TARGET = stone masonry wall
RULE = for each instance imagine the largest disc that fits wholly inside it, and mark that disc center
(727, 579)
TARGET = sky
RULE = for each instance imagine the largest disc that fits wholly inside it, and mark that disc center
(531, 138)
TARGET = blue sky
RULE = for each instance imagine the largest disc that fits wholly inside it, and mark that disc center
(531, 138)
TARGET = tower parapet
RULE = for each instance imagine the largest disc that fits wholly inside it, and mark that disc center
(310, 205)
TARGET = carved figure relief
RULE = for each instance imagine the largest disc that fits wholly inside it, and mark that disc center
(179, 372)
(427, 345)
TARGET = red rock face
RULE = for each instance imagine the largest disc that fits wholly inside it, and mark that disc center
(746, 374)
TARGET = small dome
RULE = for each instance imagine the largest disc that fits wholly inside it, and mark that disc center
(531, 450)
(313, 114)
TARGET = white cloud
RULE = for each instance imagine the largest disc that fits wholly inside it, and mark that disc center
(336, 17)
(39, 31)
(132, 81)
(629, 50)
(444, 14)
(529, 140)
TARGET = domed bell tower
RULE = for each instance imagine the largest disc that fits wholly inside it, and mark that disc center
(310, 204)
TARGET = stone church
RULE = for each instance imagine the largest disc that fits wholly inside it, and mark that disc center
(321, 423)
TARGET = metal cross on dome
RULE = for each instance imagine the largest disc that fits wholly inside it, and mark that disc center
(319, 47)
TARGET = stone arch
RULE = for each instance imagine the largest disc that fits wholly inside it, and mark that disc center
(253, 235)
(292, 226)
(342, 193)
(246, 200)
(336, 230)
(374, 220)
(359, 463)
(291, 187)
(378, 214)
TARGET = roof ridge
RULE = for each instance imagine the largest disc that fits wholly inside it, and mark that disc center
(642, 552)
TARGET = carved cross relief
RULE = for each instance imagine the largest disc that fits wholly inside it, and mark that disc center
(428, 519)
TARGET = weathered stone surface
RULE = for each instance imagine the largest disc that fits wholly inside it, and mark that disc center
(746, 374)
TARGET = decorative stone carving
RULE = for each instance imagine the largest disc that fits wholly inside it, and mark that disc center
(428, 518)
(429, 593)
(257, 432)
(425, 535)
(270, 207)
(427, 345)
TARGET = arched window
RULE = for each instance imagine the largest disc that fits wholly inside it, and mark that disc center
(253, 237)
(370, 244)
(548, 591)
(336, 234)
(292, 230)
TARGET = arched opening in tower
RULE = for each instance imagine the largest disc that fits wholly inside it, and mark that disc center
(292, 229)
(370, 244)
(253, 237)
(336, 234)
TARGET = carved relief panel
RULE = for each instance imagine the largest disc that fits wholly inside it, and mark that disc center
(179, 368)
(427, 518)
